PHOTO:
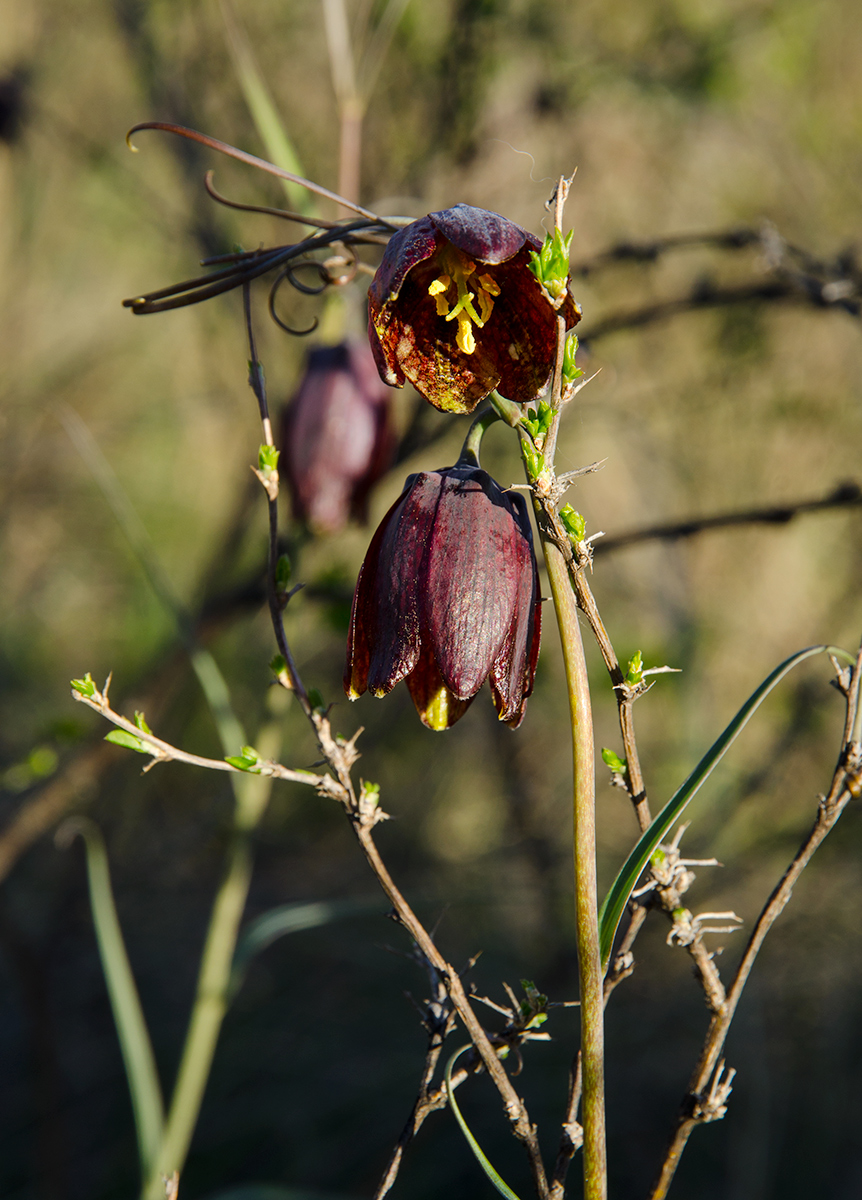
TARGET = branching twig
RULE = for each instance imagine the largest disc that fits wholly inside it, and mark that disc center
(706, 1094)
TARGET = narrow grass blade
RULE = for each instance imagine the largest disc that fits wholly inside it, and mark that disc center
(617, 898)
(269, 125)
(502, 1187)
(134, 1039)
(290, 918)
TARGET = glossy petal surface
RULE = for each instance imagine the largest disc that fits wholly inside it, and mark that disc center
(448, 597)
(411, 339)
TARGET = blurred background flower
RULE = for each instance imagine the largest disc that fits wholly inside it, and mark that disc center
(338, 435)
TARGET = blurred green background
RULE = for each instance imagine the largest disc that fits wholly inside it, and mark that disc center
(680, 117)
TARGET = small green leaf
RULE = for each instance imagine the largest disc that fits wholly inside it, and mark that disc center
(277, 665)
(247, 760)
(141, 723)
(571, 370)
(315, 699)
(613, 760)
(536, 1021)
(370, 789)
(85, 686)
(573, 523)
(635, 672)
(120, 737)
(535, 461)
(551, 264)
(282, 573)
(267, 458)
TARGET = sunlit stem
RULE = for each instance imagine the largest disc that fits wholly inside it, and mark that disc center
(589, 954)
(469, 456)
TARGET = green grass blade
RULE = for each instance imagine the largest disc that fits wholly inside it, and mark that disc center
(617, 898)
(290, 918)
(132, 1032)
(502, 1187)
(269, 125)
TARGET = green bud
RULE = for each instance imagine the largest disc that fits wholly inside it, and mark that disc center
(635, 672)
(121, 738)
(551, 264)
(141, 723)
(613, 760)
(316, 700)
(277, 665)
(282, 573)
(573, 523)
(267, 458)
(85, 686)
(571, 370)
(247, 760)
(534, 460)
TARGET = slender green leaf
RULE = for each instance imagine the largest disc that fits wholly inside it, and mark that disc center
(290, 918)
(502, 1187)
(129, 1019)
(617, 898)
(269, 125)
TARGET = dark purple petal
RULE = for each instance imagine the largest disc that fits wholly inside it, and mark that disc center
(514, 668)
(409, 246)
(470, 578)
(483, 235)
(395, 619)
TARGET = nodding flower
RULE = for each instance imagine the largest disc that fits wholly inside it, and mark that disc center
(448, 596)
(455, 309)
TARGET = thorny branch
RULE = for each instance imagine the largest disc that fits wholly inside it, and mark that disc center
(709, 1088)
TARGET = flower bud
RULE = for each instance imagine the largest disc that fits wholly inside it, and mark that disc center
(337, 436)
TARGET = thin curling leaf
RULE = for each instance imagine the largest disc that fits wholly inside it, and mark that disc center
(120, 737)
(621, 889)
(290, 918)
(137, 1050)
(502, 1187)
(141, 722)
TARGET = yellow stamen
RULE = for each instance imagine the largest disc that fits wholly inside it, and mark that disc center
(461, 306)
(437, 712)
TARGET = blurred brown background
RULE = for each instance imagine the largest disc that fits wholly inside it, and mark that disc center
(681, 117)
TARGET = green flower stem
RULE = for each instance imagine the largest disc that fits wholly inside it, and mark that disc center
(586, 899)
(469, 456)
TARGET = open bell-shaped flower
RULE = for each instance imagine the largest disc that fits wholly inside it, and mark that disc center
(455, 309)
(448, 596)
(337, 435)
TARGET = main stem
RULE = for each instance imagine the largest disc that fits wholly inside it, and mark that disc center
(586, 898)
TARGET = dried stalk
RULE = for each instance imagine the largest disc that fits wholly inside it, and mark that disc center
(709, 1086)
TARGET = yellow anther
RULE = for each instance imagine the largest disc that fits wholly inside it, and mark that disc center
(489, 284)
(486, 305)
(464, 337)
(439, 285)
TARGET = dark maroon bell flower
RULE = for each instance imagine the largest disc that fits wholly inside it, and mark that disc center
(455, 308)
(448, 596)
(337, 435)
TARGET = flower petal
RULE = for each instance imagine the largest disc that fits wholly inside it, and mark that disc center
(483, 235)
